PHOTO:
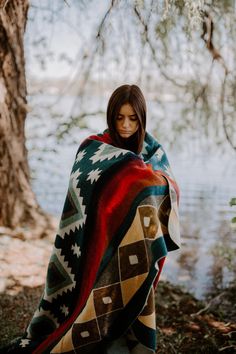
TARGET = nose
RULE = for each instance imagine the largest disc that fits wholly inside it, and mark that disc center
(125, 122)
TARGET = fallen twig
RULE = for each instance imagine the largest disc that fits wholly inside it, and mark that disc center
(208, 305)
(227, 347)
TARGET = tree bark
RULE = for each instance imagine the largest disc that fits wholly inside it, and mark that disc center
(19, 209)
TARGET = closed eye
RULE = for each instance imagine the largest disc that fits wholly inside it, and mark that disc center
(133, 117)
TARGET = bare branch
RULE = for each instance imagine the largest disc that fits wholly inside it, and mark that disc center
(207, 36)
(65, 1)
(104, 18)
(224, 117)
(153, 50)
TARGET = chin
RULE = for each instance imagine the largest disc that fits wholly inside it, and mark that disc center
(125, 136)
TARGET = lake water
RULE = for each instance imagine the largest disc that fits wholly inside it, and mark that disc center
(206, 260)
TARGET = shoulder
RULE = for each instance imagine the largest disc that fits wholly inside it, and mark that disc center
(151, 140)
(150, 146)
(102, 137)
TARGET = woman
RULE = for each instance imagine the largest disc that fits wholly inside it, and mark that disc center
(118, 223)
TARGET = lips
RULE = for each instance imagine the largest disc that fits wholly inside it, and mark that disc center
(124, 132)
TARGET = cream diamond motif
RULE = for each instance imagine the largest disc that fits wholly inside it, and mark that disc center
(133, 259)
(106, 151)
(76, 250)
(107, 300)
(61, 267)
(146, 221)
(84, 334)
(79, 156)
(64, 309)
(78, 218)
(94, 175)
(24, 342)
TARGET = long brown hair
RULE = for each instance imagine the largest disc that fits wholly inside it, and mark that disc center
(133, 95)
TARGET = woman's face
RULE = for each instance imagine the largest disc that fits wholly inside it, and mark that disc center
(127, 122)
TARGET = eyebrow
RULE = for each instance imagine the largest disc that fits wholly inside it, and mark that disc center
(131, 115)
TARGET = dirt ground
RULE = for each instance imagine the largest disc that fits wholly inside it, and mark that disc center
(187, 325)
(184, 324)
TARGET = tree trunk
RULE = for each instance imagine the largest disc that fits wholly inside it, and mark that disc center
(19, 209)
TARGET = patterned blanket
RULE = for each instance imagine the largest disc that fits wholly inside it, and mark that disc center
(119, 220)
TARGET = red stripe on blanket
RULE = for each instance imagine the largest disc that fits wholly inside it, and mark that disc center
(119, 190)
(160, 266)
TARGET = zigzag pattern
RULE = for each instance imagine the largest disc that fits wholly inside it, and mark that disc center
(98, 205)
(106, 151)
(73, 215)
(60, 278)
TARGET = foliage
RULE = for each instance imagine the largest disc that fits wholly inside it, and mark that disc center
(226, 256)
(177, 50)
(233, 203)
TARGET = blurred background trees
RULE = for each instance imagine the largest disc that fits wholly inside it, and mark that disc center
(182, 55)
(19, 207)
(59, 63)
(177, 51)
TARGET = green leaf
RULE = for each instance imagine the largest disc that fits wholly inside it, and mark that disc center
(232, 201)
(233, 220)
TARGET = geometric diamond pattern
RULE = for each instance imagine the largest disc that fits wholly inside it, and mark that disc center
(126, 267)
(133, 260)
(106, 151)
(114, 290)
(106, 320)
(107, 299)
(73, 215)
(149, 220)
(85, 333)
(59, 276)
(42, 319)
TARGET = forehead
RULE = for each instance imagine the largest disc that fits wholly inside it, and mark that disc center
(126, 109)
